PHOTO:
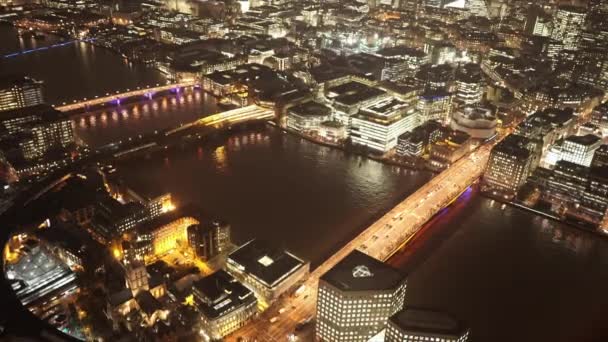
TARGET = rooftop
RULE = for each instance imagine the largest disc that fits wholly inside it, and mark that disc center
(219, 294)
(586, 140)
(310, 108)
(43, 111)
(268, 264)
(360, 272)
(10, 80)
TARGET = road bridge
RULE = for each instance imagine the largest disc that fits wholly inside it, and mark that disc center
(119, 96)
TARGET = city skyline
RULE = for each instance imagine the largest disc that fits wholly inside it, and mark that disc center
(273, 170)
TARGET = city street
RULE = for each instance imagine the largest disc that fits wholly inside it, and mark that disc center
(381, 240)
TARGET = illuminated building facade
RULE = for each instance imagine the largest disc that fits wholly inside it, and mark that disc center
(469, 85)
(223, 303)
(266, 270)
(349, 97)
(580, 149)
(356, 298)
(209, 239)
(575, 189)
(46, 135)
(434, 105)
(378, 125)
(401, 62)
(453, 146)
(416, 142)
(510, 164)
(112, 218)
(416, 325)
(477, 121)
(568, 24)
(165, 231)
(307, 117)
(19, 92)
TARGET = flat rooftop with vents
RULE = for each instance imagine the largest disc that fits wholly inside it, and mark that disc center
(266, 269)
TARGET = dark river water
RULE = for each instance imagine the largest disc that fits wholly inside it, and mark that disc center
(512, 276)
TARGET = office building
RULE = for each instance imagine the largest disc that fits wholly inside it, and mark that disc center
(45, 135)
(267, 270)
(469, 85)
(417, 142)
(37, 277)
(418, 325)
(349, 97)
(401, 62)
(434, 105)
(223, 303)
(580, 149)
(165, 231)
(568, 24)
(209, 239)
(356, 297)
(511, 162)
(16, 120)
(112, 218)
(548, 126)
(573, 190)
(378, 126)
(19, 92)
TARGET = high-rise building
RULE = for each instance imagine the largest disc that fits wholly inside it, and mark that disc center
(580, 149)
(416, 142)
(45, 135)
(511, 162)
(469, 84)
(209, 239)
(379, 125)
(356, 298)
(568, 24)
(17, 120)
(416, 325)
(19, 92)
(434, 105)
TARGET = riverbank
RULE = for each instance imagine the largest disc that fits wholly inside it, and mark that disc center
(594, 230)
(346, 149)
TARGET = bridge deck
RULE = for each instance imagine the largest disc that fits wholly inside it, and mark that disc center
(129, 93)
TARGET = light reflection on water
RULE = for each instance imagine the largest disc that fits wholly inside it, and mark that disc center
(142, 117)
